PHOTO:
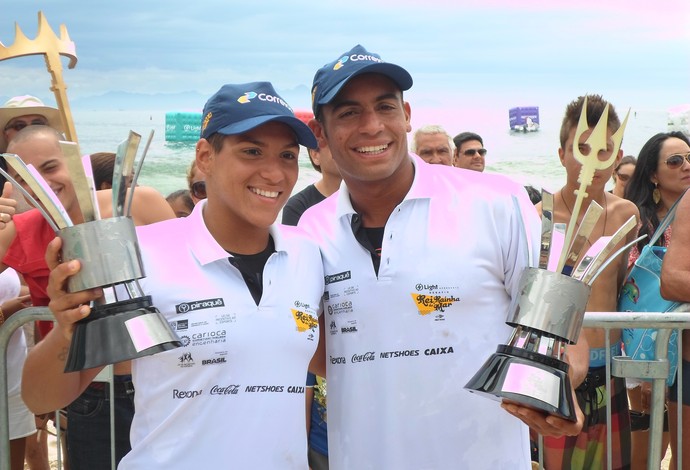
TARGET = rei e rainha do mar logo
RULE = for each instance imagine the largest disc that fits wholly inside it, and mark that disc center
(428, 301)
(304, 320)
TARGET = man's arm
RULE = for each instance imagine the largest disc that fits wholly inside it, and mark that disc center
(675, 271)
(45, 385)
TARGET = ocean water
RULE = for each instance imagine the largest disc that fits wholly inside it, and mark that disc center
(530, 158)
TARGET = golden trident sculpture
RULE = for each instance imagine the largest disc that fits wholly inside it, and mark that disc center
(52, 47)
(590, 164)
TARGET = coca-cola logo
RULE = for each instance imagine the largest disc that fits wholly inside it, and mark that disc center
(227, 390)
(367, 356)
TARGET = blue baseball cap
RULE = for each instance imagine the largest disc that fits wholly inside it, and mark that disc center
(235, 109)
(332, 77)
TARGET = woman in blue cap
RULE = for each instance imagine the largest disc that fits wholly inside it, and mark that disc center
(242, 293)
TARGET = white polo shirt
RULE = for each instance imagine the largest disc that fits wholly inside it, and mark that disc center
(401, 346)
(233, 395)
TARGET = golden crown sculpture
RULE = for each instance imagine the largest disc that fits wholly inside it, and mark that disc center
(48, 44)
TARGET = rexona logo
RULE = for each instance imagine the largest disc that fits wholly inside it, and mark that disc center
(331, 278)
(187, 307)
(185, 394)
(304, 321)
(433, 303)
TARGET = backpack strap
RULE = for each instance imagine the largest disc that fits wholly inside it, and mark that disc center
(668, 219)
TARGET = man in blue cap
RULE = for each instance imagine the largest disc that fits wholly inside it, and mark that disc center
(421, 263)
(242, 293)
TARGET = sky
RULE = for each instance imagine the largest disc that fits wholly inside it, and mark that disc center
(466, 57)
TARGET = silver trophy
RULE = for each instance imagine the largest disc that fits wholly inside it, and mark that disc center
(108, 250)
(548, 312)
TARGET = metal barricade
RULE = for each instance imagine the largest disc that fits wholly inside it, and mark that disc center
(13, 323)
(656, 371)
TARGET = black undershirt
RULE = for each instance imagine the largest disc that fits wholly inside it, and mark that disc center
(252, 268)
(371, 238)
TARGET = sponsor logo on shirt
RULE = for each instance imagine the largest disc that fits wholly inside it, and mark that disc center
(366, 357)
(179, 325)
(264, 389)
(336, 308)
(343, 276)
(185, 360)
(396, 354)
(187, 307)
(337, 360)
(185, 394)
(231, 389)
(215, 360)
(226, 318)
(304, 321)
(439, 350)
(427, 304)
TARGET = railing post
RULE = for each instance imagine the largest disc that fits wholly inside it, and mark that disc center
(6, 330)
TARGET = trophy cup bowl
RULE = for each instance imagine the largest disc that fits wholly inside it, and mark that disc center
(529, 370)
(109, 255)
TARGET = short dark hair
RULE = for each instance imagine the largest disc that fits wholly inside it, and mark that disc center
(595, 108)
(103, 166)
(463, 137)
(533, 193)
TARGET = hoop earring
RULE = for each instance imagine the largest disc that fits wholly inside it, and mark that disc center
(656, 195)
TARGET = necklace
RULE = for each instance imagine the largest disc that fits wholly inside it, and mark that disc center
(606, 214)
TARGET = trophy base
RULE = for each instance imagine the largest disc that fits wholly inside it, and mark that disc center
(528, 378)
(119, 332)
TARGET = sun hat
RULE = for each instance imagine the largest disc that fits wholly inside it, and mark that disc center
(23, 106)
(330, 78)
(235, 109)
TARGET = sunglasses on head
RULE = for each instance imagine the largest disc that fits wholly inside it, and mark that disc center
(473, 152)
(677, 160)
(623, 177)
(19, 125)
(199, 189)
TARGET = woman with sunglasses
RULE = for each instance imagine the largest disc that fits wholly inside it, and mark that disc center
(622, 174)
(196, 180)
(661, 176)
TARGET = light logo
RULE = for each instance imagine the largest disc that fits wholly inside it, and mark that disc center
(247, 97)
(338, 65)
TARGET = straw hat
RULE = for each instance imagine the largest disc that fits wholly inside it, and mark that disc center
(22, 106)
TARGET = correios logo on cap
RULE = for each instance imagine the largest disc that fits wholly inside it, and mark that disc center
(247, 97)
(355, 58)
(340, 62)
(250, 95)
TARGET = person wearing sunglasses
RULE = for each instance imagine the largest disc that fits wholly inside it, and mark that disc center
(197, 183)
(622, 173)
(469, 151)
(22, 111)
(661, 175)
